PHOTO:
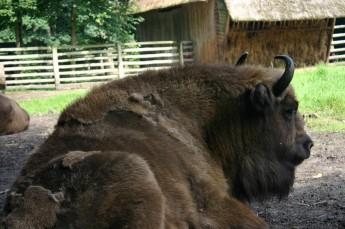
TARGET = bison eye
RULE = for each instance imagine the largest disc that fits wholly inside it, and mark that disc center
(289, 113)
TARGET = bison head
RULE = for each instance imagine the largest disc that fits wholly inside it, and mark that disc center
(266, 140)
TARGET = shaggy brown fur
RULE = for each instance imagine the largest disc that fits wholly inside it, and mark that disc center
(13, 118)
(170, 149)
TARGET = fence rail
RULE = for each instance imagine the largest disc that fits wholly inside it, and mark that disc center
(82, 66)
(337, 50)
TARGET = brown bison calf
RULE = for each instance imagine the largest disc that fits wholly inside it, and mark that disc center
(180, 148)
(13, 118)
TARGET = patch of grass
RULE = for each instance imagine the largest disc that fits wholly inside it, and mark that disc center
(321, 91)
(52, 104)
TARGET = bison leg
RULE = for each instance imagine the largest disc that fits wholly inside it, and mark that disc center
(37, 208)
(230, 213)
(132, 198)
(101, 190)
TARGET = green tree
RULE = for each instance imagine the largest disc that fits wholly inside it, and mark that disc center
(105, 21)
(51, 22)
(11, 18)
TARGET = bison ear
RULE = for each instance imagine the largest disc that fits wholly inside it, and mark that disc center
(261, 98)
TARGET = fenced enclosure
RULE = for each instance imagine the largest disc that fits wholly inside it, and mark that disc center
(84, 66)
(337, 51)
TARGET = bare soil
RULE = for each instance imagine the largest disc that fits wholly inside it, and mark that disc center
(317, 201)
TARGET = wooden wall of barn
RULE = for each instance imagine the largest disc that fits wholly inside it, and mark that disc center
(307, 42)
(195, 21)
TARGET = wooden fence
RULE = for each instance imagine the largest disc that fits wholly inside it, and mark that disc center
(337, 51)
(84, 66)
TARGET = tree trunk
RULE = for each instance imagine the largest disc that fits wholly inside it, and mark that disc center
(18, 28)
(74, 28)
(74, 24)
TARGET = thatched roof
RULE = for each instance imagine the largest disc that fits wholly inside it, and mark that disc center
(281, 10)
(147, 5)
(261, 10)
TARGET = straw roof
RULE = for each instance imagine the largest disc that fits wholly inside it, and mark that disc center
(262, 10)
(147, 5)
(281, 10)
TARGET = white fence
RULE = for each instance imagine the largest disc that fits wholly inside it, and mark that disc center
(83, 66)
(337, 51)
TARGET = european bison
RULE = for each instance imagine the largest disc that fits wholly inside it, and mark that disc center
(13, 118)
(179, 148)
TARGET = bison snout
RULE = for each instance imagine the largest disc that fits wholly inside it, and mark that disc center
(307, 145)
(302, 150)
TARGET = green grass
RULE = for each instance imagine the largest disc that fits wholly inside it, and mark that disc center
(53, 104)
(321, 91)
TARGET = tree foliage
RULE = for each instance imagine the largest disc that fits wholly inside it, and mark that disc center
(56, 22)
(11, 14)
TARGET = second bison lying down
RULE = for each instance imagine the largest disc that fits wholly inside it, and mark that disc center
(181, 148)
(13, 118)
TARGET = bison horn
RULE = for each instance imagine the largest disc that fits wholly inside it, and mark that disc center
(284, 81)
(242, 59)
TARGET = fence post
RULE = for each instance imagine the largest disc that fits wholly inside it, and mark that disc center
(2, 77)
(120, 61)
(110, 52)
(56, 68)
(181, 53)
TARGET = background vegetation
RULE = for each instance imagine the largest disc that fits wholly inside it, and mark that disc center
(69, 22)
(53, 104)
(321, 92)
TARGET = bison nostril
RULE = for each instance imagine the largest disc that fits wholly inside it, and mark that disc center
(308, 145)
(311, 145)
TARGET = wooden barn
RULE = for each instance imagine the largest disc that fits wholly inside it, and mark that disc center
(222, 29)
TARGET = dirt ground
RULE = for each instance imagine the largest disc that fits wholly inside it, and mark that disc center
(318, 199)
